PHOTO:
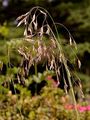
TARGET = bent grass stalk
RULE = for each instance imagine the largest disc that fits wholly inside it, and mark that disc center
(64, 61)
(56, 38)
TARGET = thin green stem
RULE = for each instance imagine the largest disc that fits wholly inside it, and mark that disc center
(71, 88)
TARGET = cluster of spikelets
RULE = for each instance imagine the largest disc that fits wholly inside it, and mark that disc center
(44, 44)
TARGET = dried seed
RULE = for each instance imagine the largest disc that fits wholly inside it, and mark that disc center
(22, 21)
(75, 45)
(33, 18)
(41, 30)
(48, 30)
(79, 64)
(22, 16)
(25, 32)
(43, 12)
(35, 25)
(70, 40)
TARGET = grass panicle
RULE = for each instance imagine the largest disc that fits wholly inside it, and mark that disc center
(46, 44)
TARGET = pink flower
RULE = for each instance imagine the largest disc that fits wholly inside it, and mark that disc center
(69, 107)
(88, 107)
(54, 83)
(82, 108)
(49, 77)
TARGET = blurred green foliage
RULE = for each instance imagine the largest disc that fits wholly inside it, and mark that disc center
(4, 31)
(48, 105)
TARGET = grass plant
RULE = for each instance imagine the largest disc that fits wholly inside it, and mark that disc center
(41, 50)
